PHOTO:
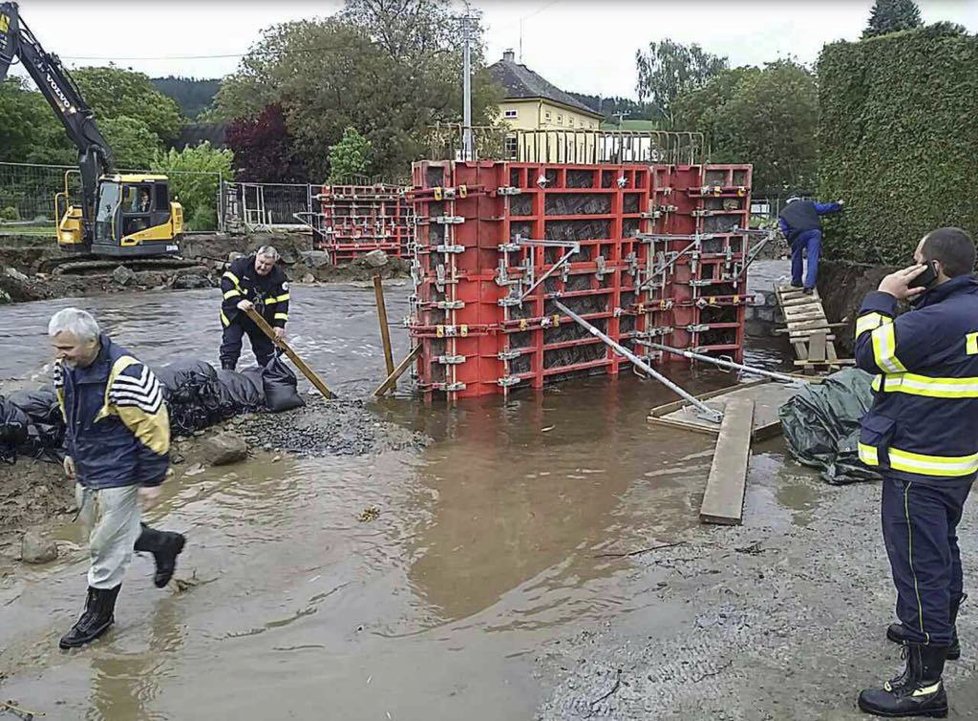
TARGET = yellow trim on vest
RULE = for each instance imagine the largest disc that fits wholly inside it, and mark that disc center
(884, 349)
(870, 322)
(928, 386)
(282, 316)
(231, 293)
(939, 466)
(279, 299)
(971, 344)
(869, 455)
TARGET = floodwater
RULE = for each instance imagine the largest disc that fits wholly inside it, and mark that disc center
(507, 532)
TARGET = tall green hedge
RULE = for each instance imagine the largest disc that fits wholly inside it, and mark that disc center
(898, 140)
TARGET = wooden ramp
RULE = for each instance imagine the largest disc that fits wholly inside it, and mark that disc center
(808, 330)
(768, 397)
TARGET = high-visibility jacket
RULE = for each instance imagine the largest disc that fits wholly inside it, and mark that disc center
(924, 421)
(269, 293)
(117, 429)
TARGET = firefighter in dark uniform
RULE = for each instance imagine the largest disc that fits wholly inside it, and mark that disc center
(922, 436)
(801, 224)
(253, 281)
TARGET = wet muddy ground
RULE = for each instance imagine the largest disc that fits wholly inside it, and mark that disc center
(497, 571)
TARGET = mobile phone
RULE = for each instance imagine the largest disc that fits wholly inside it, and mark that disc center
(925, 279)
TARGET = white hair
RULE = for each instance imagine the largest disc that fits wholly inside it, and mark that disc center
(268, 251)
(78, 322)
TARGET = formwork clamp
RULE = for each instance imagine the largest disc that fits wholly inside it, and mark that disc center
(697, 328)
(508, 190)
(550, 320)
(451, 360)
(440, 193)
(448, 387)
(448, 219)
(450, 304)
(601, 268)
(509, 301)
(702, 283)
(451, 331)
(450, 248)
(650, 215)
(508, 381)
(508, 355)
(704, 302)
(508, 247)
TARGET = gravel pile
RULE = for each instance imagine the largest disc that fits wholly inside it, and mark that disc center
(326, 428)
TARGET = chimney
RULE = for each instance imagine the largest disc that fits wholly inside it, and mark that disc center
(509, 56)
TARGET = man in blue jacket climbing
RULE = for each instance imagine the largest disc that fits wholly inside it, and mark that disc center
(922, 436)
(801, 223)
(117, 443)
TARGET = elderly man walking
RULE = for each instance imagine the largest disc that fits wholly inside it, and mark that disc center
(117, 451)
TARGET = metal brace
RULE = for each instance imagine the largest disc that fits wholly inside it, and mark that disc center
(451, 360)
(508, 190)
(448, 220)
(450, 304)
(508, 381)
(448, 387)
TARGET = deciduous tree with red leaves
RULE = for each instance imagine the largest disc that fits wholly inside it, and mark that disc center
(263, 150)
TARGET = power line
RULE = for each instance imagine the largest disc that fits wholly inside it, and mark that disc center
(162, 57)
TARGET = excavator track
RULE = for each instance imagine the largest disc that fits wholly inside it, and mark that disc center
(87, 265)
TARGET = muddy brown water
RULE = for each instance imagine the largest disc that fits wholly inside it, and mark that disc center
(497, 538)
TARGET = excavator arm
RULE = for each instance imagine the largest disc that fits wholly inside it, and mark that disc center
(64, 97)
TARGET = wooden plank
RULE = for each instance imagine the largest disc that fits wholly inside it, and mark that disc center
(723, 501)
(385, 331)
(391, 380)
(293, 356)
(816, 348)
(766, 432)
(668, 408)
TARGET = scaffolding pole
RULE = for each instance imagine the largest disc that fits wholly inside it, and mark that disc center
(774, 375)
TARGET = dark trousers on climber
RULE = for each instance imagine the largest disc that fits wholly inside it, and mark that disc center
(920, 523)
(810, 241)
(234, 332)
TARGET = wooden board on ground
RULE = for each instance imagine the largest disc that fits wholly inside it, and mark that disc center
(723, 501)
(768, 397)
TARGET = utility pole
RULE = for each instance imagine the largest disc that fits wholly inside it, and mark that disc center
(467, 145)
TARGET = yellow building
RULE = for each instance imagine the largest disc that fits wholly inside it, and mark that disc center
(543, 116)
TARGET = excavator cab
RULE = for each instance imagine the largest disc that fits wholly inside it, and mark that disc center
(133, 217)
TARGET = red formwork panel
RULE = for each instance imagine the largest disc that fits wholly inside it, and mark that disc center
(499, 243)
(357, 219)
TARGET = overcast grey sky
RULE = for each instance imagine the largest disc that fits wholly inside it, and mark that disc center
(587, 47)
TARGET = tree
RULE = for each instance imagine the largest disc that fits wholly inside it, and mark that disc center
(134, 145)
(387, 67)
(29, 130)
(195, 176)
(890, 16)
(192, 96)
(349, 157)
(764, 116)
(113, 92)
(668, 69)
(263, 149)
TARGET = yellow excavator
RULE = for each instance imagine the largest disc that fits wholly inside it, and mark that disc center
(120, 216)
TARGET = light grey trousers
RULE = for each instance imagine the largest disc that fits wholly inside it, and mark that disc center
(111, 516)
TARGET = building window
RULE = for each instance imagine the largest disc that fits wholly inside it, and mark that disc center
(570, 121)
(546, 116)
(511, 114)
(560, 120)
(511, 147)
(590, 125)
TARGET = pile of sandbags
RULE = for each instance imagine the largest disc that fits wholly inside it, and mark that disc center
(197, 396)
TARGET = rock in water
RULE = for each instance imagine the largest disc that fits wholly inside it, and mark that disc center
(34, 548)
(122, 275)
(225, 448)
(376, 258)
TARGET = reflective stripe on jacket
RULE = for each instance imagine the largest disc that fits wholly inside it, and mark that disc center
(924, 420)
(269, 293)
(117, 429)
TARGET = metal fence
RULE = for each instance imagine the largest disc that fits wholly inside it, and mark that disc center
(263, 207)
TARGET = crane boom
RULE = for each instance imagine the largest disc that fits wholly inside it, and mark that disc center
(64, 97)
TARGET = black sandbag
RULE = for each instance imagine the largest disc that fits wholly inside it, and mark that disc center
(14, 430)
(281, 387)
(190, 389)
(47, 427)
(238, 393)
(821, 426)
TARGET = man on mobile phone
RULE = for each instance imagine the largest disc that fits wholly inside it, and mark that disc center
(922, 436)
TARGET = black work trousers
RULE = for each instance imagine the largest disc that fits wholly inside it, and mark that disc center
(261, 344)
(920, 521)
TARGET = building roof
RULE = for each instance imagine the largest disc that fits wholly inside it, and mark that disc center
(521, 83)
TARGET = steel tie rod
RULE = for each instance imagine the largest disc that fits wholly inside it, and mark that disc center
(724, 363)
(708, 413)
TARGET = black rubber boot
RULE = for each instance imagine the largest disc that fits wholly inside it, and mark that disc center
(808, 291)
(898, 633)
(918, 691)
(165, 547)
(796, 285)
(227, 365)
(98, 616)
